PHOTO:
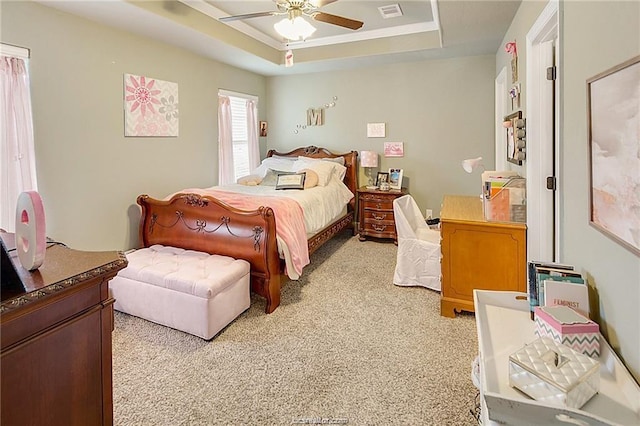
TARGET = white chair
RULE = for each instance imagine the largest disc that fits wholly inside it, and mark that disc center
(418, 262)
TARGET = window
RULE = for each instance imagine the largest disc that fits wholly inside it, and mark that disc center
(17, 152)
(240, 137)
(237, 136)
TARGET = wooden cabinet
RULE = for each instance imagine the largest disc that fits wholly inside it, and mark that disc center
(55, 332)
(375, 213)
(477, 254)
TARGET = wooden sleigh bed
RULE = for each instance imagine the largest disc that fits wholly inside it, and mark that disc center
(206, 224)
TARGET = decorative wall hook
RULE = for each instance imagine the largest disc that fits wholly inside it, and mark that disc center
(315, 116)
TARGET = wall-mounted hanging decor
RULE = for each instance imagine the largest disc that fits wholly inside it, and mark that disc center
(150, 107)
(263, 128)
(376, 130)
(514, 95)
(315, 116)
(613, 101)
(393, 149)
(513, 50)
(516, 133)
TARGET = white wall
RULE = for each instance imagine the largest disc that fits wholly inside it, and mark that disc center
(441, 110)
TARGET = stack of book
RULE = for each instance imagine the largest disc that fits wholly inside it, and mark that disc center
(552, 284)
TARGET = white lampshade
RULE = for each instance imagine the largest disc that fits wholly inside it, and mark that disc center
(470, 164)
(294, 29)
(368, 159)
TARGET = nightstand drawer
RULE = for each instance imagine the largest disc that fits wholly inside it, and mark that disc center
(385, 204)
(378, 216)
(380, 229)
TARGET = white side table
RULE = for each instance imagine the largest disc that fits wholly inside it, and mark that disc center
(504, 325)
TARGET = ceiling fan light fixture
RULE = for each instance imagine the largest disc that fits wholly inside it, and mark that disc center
(294, 29)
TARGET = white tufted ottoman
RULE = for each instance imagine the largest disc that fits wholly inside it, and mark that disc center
(191, 291)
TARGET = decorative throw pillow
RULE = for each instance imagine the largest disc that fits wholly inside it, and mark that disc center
(250, 180)
(290, 180)
(271, 177)
(311, 179)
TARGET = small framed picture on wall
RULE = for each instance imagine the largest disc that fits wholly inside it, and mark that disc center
(263, 129)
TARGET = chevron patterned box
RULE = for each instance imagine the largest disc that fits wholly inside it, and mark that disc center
(566, 326)
(554, 373)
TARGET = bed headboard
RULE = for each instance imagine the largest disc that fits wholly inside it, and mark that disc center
(350, 162)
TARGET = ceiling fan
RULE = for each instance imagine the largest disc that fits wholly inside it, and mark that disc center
(296, 9)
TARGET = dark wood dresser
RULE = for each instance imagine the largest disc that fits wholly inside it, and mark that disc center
(375, 213)
(55, 331)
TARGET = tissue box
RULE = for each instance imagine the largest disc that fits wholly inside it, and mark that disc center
(566, 326)
(554, 373)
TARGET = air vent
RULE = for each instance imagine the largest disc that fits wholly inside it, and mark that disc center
(390, 11)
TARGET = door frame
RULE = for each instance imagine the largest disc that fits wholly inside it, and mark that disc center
(501, 111)
(542, 156)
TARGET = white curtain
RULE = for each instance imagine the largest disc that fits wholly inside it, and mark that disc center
(252, 134)
(225, 142)
(17, 153)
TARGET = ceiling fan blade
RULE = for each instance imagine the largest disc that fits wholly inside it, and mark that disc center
(247, 16)
(337, 20)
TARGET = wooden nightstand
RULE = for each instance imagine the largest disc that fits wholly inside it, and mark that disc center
(375, 213)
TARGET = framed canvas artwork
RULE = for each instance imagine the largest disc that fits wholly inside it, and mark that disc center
(150, 106)
(613, 99)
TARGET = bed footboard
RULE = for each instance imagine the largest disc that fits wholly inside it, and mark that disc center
(202, 223)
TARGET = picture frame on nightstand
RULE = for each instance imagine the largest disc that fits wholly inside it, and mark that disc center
(382, 177)
(395, 178)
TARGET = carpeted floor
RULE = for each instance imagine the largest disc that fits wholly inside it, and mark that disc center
(345, 346)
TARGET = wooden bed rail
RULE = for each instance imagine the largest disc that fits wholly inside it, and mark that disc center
(203, 223)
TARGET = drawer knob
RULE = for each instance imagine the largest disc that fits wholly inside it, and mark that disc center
(379, 228)
(379, 217)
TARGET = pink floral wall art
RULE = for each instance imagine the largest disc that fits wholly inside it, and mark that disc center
(150, 107)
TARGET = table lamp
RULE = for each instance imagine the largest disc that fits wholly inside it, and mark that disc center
(470, 164)
(369, 160)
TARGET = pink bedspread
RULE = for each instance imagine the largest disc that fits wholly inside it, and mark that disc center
(289, 219)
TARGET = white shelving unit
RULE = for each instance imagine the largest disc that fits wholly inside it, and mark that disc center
(504, 325)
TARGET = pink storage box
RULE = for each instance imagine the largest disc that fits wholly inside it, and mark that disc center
(568, 327)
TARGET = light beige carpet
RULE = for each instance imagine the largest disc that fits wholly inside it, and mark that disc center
(345, 346)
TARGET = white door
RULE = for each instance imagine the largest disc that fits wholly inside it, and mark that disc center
(541, 137)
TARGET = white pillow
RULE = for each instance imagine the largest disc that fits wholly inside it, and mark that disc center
(340, 168)
(339, 160)
(324, 169)
(273, 163)
(250, 180)
(340, 171)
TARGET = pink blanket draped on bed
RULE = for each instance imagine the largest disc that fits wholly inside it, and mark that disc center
(289, 219)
